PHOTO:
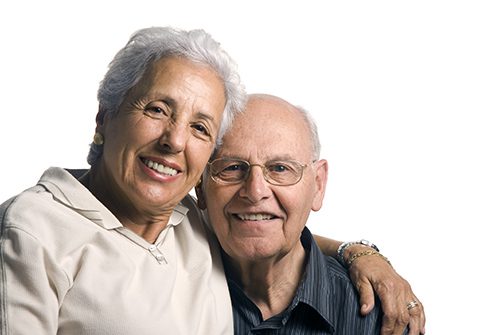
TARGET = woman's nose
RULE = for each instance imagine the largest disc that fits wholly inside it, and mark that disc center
(174, 138)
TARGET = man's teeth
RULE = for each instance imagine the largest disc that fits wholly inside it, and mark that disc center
(254, 217)
(160, 168)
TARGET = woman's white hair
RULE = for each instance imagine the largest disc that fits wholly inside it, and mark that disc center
(150, 44)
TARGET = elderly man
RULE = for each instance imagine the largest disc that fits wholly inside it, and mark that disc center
(258, 191)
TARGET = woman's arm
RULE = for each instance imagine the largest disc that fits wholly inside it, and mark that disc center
(29, 301)
(29, 281)
(371, 273)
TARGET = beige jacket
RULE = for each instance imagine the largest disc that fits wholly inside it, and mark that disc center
(69, 267)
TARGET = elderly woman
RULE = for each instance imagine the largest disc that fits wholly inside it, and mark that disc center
(121, 248)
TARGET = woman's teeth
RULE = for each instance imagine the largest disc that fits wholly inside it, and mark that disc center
(160, 168)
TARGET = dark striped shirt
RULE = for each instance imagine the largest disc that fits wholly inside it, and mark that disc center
(326, 302)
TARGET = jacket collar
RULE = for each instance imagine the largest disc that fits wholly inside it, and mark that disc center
(65, 187)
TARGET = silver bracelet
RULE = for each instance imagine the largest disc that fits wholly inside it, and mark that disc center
(342, 248)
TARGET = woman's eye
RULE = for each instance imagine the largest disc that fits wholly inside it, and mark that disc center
(201, 128)
(155, 110)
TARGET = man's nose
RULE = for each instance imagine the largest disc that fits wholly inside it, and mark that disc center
(255, 187)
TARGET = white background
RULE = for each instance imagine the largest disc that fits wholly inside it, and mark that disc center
(406, 95)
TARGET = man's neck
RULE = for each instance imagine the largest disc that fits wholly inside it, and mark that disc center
(271, 283)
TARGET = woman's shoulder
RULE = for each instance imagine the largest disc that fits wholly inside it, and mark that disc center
(23, 210)
(38, 211)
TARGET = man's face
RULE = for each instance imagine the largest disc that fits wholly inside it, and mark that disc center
(159, 142)
(255, 220)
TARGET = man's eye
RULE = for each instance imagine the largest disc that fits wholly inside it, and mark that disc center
(234, 167)
(278, 168)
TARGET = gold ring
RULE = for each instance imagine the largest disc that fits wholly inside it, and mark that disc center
(412, 304)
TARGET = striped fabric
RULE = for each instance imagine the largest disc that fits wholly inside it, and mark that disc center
(326, 302)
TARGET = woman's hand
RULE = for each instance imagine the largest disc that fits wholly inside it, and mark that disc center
(372, 275)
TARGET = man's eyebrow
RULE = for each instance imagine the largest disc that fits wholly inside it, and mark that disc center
(281, 157)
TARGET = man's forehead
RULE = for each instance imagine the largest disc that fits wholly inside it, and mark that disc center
(266, 142)
(267, 114)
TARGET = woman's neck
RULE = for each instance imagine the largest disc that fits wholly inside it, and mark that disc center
(147, 224)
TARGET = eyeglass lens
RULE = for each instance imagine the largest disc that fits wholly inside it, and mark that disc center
(275, 172)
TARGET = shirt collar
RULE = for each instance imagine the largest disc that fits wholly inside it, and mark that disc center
(315, 288)
(65, 187)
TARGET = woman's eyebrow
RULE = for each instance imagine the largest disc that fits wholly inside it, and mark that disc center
(205, 116)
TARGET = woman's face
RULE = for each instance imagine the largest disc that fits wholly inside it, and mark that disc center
(157, 145)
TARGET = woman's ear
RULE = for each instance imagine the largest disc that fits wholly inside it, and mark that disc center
(100, 118)
(200, 195)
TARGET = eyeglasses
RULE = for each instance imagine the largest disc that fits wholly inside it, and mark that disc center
(276, 172)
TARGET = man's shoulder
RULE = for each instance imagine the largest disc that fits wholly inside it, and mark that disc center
(334, 268)
(336, 274)
(326, 267)
(335, 296)
(334, 277)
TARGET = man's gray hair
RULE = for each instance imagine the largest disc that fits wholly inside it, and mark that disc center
(313, 132)
(306, 116)
(150, 44)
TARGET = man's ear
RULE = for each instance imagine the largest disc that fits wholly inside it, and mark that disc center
(321, 167)
(200, 195)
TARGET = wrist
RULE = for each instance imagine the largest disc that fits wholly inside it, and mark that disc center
(347, 249)
(366, 252)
